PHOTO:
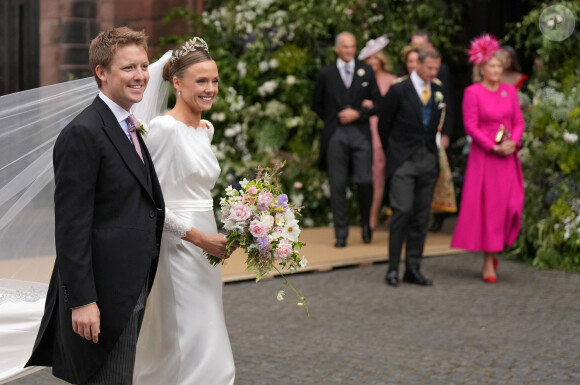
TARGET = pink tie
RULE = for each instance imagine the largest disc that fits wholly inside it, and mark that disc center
(133, 124)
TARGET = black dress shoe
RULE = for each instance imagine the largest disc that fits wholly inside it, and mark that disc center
(415, 276)
(340, 242)
(392, 278)
(367, 233)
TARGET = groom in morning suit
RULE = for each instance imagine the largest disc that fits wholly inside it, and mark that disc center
(408, 128)
(345, 144)
(109, 215)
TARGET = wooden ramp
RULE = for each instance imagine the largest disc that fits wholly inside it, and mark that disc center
(319, 251)
(323, 256)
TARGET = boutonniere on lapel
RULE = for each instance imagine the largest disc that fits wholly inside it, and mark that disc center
(143, 128)
(439, 99)
(360, 72)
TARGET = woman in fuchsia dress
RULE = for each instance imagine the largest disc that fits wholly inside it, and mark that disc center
(493, 191)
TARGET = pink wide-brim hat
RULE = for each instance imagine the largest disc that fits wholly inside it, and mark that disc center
(373, 46)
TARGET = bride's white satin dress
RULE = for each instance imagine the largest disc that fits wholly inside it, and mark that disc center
(184, 339)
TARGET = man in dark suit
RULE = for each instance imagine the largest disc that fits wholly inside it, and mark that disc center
(423, 39)
(408, 126)
(345, 144)
(109, 214)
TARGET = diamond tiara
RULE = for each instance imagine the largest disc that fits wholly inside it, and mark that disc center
(190, 46)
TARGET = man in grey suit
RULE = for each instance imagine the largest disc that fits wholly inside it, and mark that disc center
(345, 145)
(109, 215)
(408, 127)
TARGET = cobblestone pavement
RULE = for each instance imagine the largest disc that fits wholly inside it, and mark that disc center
(525, 329)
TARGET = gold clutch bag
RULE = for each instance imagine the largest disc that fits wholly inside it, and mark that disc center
(499, 136)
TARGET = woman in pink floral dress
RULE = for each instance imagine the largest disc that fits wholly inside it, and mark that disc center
(493, 191)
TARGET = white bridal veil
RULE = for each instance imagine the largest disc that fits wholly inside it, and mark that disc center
(30, 122)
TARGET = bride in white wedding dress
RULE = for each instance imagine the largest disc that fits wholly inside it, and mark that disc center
(184, 339)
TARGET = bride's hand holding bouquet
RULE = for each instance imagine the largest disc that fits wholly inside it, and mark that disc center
(212, 244)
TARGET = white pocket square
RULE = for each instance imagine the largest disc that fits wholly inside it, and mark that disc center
(364, 84)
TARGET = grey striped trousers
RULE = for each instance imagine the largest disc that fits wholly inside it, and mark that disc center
(118, 368)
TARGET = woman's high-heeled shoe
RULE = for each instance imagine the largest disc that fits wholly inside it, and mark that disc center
(495, 263)
(490, 279)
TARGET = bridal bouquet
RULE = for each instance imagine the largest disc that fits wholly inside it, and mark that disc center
(261, 221)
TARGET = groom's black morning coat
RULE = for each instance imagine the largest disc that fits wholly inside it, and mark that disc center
(109, 215)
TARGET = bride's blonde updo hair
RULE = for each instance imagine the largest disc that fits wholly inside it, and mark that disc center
(189, 53)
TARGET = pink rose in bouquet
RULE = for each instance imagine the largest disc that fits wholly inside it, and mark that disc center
(283, 250)
(265, 199)
(258, 229)
(240, 212)
(252, 190)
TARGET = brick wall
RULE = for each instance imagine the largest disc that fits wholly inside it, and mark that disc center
(148, 14)
(67, 27)
(50, 13)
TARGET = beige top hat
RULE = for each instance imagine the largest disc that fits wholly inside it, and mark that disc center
(373, 46)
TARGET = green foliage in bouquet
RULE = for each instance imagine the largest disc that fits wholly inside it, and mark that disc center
(269, 53)
(550, 154)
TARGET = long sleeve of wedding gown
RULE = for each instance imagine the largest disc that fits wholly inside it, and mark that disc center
(160, 139)
(174, 228)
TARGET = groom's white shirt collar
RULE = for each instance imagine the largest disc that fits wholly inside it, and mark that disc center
(120, 113)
